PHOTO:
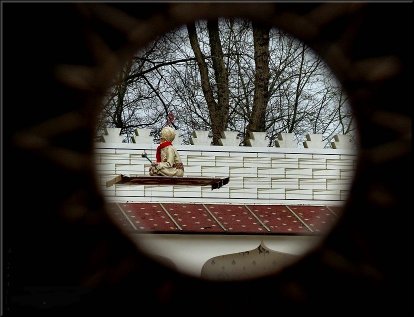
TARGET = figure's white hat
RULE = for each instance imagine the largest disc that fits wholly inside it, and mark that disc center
(168, 134)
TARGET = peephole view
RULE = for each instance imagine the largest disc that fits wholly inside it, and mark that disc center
(226, 149)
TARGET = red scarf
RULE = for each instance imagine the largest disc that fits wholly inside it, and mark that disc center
(161, 146)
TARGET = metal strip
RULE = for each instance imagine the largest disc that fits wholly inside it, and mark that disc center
(125, 215)
(331, 210)
(299, 218)
(172, 219)
(210, 213)
(257, 218)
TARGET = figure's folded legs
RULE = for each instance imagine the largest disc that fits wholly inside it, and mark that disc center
(152, 171)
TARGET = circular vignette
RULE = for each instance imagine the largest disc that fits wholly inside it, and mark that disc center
(101, 265)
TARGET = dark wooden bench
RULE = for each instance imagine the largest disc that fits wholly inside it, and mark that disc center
(215, 182)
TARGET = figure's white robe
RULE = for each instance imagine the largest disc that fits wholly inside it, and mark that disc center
(170, 165)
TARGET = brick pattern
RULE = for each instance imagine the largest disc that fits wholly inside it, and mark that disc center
(257, 175)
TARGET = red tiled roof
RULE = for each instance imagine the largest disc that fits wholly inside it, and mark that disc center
(224, 218)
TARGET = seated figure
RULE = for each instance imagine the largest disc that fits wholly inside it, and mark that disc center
(168, 160)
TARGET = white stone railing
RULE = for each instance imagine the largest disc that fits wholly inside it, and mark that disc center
(230, 138)
(258, 175)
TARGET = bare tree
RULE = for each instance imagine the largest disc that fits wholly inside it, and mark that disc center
(219, 109)
(228, 74)
(261, 82)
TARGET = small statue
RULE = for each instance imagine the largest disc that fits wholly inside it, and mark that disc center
(168, 160)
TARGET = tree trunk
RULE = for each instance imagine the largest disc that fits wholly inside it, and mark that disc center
(298, 92)
(121, 89)
(261, 80)
(219, 109)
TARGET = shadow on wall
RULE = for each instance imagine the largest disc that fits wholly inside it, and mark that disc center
(64, 256)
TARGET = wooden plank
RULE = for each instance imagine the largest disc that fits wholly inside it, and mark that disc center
(215, 182)
(114, 180)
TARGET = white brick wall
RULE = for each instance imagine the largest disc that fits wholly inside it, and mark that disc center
(258, 175)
